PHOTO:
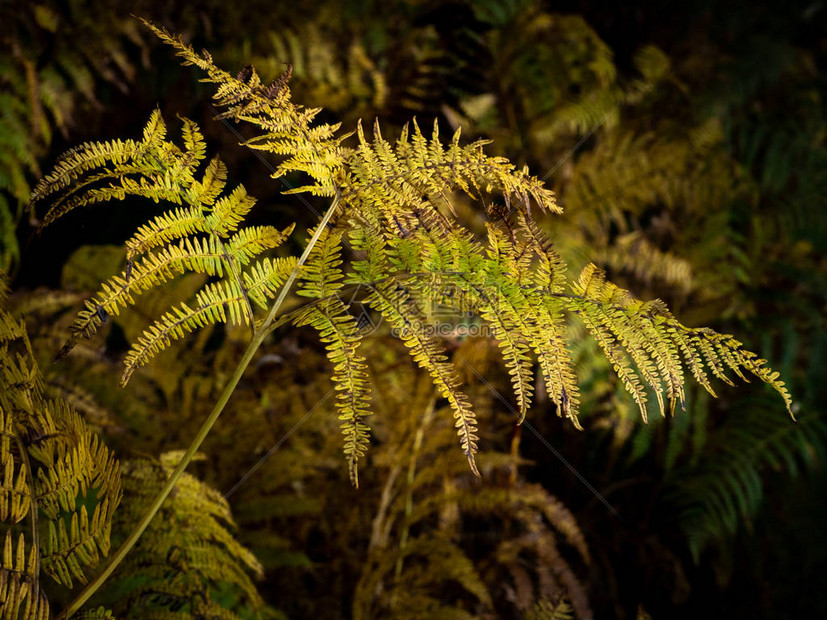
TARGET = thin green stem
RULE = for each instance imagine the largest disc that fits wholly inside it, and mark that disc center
(258, 337)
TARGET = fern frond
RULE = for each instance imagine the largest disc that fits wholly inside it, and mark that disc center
(69, 170)
(208, 256)
(713, 496)
(219, 302)
(339, 331)
(500, 304)
(396, 307)
(201, 237)
(649, 335)
(55, 471)
(187, 555)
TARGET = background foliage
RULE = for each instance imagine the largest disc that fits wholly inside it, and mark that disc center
(688, 151)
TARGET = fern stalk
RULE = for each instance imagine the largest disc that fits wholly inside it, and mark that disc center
(259, 335)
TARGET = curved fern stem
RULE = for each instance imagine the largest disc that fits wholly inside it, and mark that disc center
(259, 335)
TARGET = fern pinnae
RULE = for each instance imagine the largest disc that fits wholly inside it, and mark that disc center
(264, 278)
(164, 228)
(500, 306)
(69, 168)
(191, 254)
(321, 279)
(631, 382)
(499, 311)
(662, 350)
(547, 281)
(698, 338)
(757, 366)
(639, 350)
(395, 306)
(229, 211)
(339, 331)
(690, 354)
(555, 360)
(222, 302)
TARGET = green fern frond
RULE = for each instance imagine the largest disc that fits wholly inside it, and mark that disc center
(187, 555)
(714, 496)
(55, 471)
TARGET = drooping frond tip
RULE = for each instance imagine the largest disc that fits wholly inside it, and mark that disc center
(647, 335)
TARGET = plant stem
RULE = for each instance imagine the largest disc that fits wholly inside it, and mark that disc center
(258, 337)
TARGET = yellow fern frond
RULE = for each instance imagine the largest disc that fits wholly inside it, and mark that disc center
(219, 302)
(339, 331)
(395, 306)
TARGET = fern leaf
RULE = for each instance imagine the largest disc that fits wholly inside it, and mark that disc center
(229, 211)
(264, 278)
(188, 556)
(322, 274)
(395, 306)
(55, 471)
(339, 331)
(219, 302)
(176, 224)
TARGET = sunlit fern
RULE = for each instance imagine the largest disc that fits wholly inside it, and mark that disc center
(393, 206)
